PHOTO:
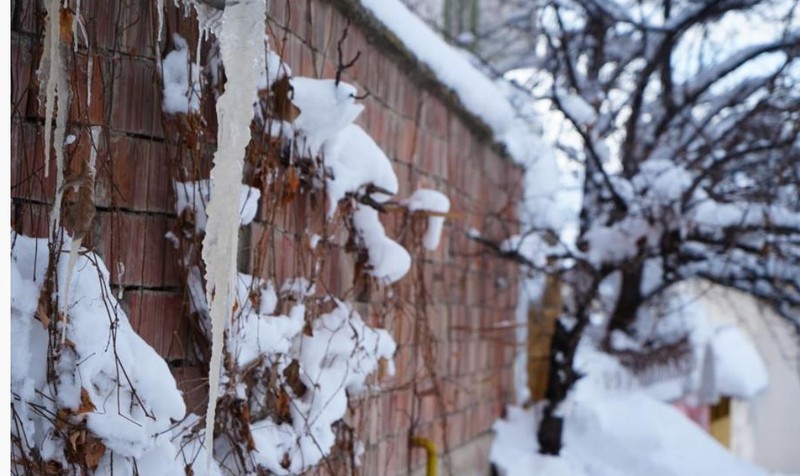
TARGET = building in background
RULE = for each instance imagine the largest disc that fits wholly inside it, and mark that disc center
(761, 430)
(501, 32)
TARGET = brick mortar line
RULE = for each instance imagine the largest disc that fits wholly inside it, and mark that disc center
(104, 209)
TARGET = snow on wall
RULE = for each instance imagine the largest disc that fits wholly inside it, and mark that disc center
(108, 376)
(181, 80)
(355, 161)
(326, 108)
(161, 185)
(477, 92)
(427, 200)
(388, 260)
(338, 356)
(195, 196)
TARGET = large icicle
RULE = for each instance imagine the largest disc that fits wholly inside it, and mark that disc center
(242, 51)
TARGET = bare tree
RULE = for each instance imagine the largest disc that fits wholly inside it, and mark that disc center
(690, 148)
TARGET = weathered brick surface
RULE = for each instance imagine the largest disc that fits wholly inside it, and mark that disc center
(450, 314)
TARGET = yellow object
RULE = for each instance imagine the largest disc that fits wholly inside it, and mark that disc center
(430, 449)
(721, 421)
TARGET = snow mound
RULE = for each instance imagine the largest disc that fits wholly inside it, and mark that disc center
(107, 375)
(355, 161)
(738, 369)
(256, 332)
(613, 432)
(338, 356)
(325, 109)
(388, 260)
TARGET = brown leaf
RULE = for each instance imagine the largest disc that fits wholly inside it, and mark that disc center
(282, 102)
(283, 406)
(41, 313)
(383, 368)
(62, 418)
(93, 451)
(86, 403)
(292, 185)
(76, 438)
(286, 461)
(292, 376)
(65, 25)
(52, 467)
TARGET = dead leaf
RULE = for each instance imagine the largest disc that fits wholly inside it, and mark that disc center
(41, 313)
(76, 438)
(65, 25)
(86, 403)
(282, 103)
(292, 185)
(283, 406)
(93, 452)
(62, 418)
(286, 461)
(52, 467)
(293, 380)
(383, 368)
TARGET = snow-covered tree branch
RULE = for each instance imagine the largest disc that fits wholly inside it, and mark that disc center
(690, 150)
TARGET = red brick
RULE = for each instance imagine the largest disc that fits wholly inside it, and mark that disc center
(137, 241)
(24, 16)
(136, 100)
(22, 68)
(157, 318)
(82, 110)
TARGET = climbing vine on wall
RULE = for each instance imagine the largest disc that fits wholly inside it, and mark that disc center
(296, 347)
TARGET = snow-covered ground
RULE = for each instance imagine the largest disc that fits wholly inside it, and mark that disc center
(613, 428)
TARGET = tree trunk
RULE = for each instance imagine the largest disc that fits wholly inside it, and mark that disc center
(561, 378)
(629, 300)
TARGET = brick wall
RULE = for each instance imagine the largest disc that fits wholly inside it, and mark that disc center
(450, 314)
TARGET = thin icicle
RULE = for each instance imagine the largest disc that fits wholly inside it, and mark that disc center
(58, 144)
(47, 67)
(86, 180)
(77, 24)
(241, 50)
(160, 7)
(89, 76)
